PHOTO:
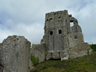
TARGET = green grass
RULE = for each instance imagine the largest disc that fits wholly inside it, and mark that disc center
(81, 64)
(35, 60)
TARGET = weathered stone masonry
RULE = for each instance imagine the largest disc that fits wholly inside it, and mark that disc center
(14, 54)
(63, 41)
(60, 41)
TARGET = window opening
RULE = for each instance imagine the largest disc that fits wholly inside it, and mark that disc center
(50, 19)
(71, 24)
(75, 37)
(59, 17)
(60, 31)
(51, 32)
(46, 19)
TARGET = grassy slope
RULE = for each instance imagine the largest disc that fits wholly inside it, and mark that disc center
(81, 64)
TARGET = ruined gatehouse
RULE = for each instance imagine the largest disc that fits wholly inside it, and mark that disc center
(61, 40)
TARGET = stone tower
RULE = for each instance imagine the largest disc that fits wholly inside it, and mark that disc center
(62, 41)
(59, 36)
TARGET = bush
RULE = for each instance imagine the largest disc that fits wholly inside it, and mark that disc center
(93, 47)
(35, 60)
(87, 52)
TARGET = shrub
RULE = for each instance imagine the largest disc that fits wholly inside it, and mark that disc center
(93, 47)
(35, 60)
(87, 52)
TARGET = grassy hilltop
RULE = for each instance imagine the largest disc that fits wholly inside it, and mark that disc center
(81, 64)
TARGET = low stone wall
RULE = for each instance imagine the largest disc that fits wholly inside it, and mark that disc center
(39, 51)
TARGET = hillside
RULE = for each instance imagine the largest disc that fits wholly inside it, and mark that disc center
(81, 64)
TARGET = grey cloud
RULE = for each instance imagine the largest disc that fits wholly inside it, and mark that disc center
(26, 17)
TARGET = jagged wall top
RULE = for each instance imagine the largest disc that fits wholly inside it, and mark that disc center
(51, 15)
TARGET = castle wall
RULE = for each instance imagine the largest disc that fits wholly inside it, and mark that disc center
(63, 41)
(39, 51)
(79, 50)
(60, 37)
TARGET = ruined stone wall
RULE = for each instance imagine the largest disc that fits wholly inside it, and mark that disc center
(77, 46)
(14, 53)
(62, 40)
(79, 50)
(39, 51)
(60, 37)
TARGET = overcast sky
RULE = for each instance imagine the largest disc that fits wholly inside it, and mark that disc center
(27, 17)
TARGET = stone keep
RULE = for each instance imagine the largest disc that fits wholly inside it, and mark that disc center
(62, 40)
(14, 54)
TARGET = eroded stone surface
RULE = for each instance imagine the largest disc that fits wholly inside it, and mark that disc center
(14, 53)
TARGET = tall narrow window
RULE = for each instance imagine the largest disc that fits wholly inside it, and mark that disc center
(60, 31)
(51, 32)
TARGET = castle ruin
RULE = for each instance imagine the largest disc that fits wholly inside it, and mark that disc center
(62, 41)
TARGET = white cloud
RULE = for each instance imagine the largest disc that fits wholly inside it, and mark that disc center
(26, 17)
(33, 32)
(87, 17)
(4, 34)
